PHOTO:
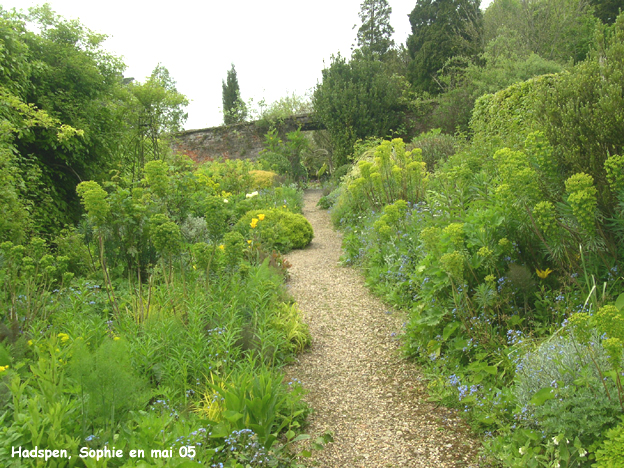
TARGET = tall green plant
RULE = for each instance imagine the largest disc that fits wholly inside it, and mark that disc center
(234, 109)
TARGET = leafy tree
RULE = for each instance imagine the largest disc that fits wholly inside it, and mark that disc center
(64, 73)
(234, 109)
(155, 111)
(441, 29)
(356, 100)
(502, 64)
(375, 33)
(560, 30)
(583, 113)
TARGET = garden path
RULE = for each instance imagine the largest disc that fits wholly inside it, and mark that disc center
(361, 389)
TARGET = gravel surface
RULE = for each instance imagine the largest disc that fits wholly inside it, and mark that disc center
(360, 387)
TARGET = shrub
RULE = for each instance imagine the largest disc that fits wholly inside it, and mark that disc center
(391, 174)
(560, 389)
(435, 146)
(108, 382)
(340, 172)
(276, 229)
(263, 179)
(330, 199)
(260, 403)
(611, 451)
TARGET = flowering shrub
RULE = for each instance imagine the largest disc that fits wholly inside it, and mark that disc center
(278, 229)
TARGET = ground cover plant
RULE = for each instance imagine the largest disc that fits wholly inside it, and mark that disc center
(156, 325)
(507, 255)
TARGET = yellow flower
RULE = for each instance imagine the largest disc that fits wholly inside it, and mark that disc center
(254, 223)
(249, 241)
(261, 217)
(543, 273)
(283, 206)
(222, 247)
(63, 336)
(116, 338)
(30, 342)
(3, 368)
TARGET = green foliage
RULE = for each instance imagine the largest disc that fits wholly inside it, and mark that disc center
(285, 157)
(594, 89)
(154, 110)
(96, 123)
(289, 320)
(606, 10)
(234, 109)
(288, 197)
(108, 385)
(28, 274)
(375, 34)
(388, 174)
(436, 147)
(263, 179)
(277, 229)
(329, 200)
(108, 333)
(508, 116)
(572, 109)
(69, 57)
(441, 29)
(95, 201)
(501, 64)
(610, 454)
(560, 389)
(486, 262)
(227, 176)
(275, 114)
(559, 30)
(344, 103)
(260, 403)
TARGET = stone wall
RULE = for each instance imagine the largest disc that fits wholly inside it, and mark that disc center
(239, 141)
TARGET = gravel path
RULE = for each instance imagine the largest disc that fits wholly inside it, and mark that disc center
(361, 389)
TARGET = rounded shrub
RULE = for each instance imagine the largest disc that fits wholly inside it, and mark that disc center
(276, 229)
(263, 179)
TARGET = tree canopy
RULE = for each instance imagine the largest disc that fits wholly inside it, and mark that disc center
(375, 34)
(68, 115)
(234, 109)
(441, 29)
(357, 99)
(560, 30)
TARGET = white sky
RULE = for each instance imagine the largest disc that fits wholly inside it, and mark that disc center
(278, 47)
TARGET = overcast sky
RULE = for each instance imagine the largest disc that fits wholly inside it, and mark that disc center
(279, 47)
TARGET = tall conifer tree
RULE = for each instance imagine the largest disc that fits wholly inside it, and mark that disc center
(234, 109)
(375, 33)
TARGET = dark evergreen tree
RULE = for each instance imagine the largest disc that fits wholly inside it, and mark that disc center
(607, 10)
(234, 109)
(442, 29)
(356, 100)
(375, 33)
